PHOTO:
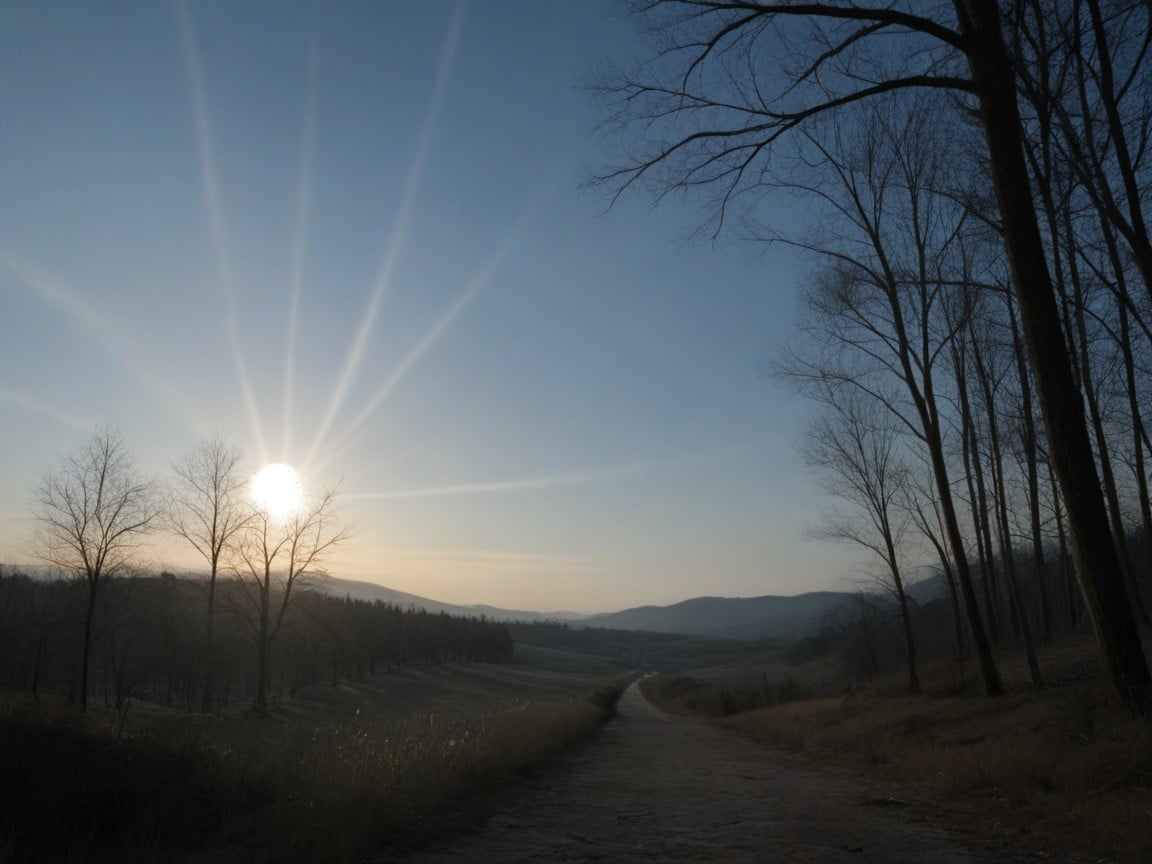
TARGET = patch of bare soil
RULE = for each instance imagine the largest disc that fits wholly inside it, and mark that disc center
(660, 787)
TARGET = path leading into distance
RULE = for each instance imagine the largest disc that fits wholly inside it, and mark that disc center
(655, 787)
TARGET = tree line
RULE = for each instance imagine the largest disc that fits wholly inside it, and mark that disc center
(149, 641)
(978, 322)
(257, 623)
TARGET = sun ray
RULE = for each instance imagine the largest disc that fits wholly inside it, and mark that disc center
(399, 230)
(550, 481)
(106, 330)
(476, 286)
(44, 410)
(410, 359)
(300, 243)
(209, 181)
(520, 484)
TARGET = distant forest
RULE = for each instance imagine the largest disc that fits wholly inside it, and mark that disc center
(150, 640)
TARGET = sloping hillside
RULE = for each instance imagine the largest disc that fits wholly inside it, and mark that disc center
(371, 592)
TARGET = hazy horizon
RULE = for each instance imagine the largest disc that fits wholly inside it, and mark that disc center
(354, 239)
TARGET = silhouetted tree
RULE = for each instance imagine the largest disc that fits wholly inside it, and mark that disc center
(205, 508)
(730, 78)
(856, 447)
(91, 513)
(273, 555)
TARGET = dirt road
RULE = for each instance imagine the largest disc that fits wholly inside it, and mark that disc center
(655, 787)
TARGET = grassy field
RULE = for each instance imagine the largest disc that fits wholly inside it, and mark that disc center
(349, 773)
(1067, 762)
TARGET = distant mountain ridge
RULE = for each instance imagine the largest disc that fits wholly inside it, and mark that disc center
(767, 617)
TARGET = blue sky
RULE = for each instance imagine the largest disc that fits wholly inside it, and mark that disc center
(352, 237)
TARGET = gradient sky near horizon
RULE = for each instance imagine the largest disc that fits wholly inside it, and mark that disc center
(352, 237)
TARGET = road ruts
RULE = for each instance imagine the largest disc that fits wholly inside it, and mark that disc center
(655, 787)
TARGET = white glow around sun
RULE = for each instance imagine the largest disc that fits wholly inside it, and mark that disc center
(277, 490)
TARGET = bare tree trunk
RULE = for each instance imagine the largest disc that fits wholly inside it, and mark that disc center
(1007, 553)
(1134, 227)
(946, 568)
(1103, 450)
(978, 493)
(1071, 592)
(263, 646)
(1072, 457)
(89, 615)
(905, 617)
(1031, 461)
(1139, 433)
(209, 652)
(988, 671)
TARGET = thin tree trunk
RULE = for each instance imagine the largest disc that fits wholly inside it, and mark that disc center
(263, 647)
(1071, 593)
(1031, 461)
(1133, 227)
(1109, 479)
(1007, 553)
(974, 476)
(1139, 434)
(209, 653)
(905, 614)
(89, 615)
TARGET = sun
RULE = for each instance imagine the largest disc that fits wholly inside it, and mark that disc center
(276, 489)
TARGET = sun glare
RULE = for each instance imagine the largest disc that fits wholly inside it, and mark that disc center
(277, 490)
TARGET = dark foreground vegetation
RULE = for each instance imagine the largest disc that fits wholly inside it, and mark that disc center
(339, 777)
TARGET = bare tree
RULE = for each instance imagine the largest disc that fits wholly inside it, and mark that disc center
(730, 78)
(206, 509)
(92, 512)
(856, 447)
(876, 322)
(273, 557)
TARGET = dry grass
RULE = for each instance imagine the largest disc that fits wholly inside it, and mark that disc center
(263, 789)
(1068, 762)
(722, 697)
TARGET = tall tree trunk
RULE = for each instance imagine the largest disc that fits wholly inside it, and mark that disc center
(950, 577)
(989, 673)
(1139, 433)
(1031, 460)
(1007, 553)
(1072, 457)
(263, 646)
(978, 496)
(89, 615)
(1071, 594)
(209, 652)
(905, 615)
(1111, 495)
(1134, 226)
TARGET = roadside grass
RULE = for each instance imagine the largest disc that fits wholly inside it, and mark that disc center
(306, 783)
(1068, 762)
(705, 697)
